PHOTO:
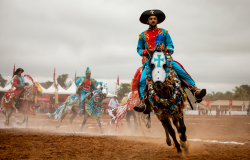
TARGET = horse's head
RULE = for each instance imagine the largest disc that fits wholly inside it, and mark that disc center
(159, 64)
(38, 89)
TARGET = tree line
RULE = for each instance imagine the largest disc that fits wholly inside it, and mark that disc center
(238, 93)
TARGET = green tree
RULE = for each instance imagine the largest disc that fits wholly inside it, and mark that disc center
(240, 93)
(46, 85)
(62, 81)
(122, 90)
(2, 81)
(247, 88)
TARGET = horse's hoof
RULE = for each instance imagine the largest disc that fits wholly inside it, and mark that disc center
(169, 143)
(183, 144)
(181, 154)
(179, 151)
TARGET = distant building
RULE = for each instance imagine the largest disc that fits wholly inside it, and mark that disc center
(236, 105)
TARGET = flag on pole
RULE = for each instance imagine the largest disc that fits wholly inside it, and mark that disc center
(118, 80)
(230, 102)
(207, 102)
(54, 74)
(14, 71)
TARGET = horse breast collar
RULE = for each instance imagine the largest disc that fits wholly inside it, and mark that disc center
(158, 73)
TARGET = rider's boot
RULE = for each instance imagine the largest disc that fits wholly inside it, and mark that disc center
(141, 106)
(199, 94)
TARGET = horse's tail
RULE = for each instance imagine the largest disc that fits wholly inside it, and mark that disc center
(58, 112)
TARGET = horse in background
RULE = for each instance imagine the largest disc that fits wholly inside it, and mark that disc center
(92, 107)
(26, 103)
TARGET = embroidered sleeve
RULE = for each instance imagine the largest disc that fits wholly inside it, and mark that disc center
(169, 42)
(140, 46)
(15, 81)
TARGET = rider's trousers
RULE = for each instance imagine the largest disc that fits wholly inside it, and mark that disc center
(178, 69)
(83, 93)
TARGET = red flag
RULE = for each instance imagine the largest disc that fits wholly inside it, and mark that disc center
(118, 80)
(14, 71)
(54, 74)
(230, 102)
(207, 102)
(75, 76)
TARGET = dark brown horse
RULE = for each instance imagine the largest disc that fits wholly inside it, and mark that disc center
(165, 89)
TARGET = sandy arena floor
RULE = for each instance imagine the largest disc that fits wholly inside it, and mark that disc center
(226, 137)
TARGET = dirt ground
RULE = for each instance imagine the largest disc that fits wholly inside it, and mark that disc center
(226, 137)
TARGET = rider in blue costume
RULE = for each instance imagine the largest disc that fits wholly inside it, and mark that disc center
(146, 45)
(84, 85)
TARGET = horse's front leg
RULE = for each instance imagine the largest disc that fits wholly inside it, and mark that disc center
(20, 123)
(99, 124)
(73, 116)
(139, 122)
(176, 123)
(171, 131)
(183, 137)
(168, 140)
(60, 121)
(86, 115)
(7, 113)
(27, 118)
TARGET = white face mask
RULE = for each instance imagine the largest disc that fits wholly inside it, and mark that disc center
(158, 73)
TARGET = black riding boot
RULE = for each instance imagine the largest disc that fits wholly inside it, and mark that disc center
(143, 106)
(199, 94)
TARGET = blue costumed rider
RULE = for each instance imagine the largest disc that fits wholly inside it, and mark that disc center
(146, 46)
(84, 85)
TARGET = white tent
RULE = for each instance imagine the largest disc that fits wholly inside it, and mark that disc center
(50, 90)
(71, 89)
(61, 90)
(111, 95)
(42, 88)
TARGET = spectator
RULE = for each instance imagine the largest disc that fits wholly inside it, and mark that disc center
(113, 103)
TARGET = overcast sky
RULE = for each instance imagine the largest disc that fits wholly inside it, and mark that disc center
(211, 38)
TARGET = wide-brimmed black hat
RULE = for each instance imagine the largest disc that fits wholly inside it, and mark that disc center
(154, 12)
(17, 70)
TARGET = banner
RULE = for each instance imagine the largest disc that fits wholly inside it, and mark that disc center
(230, 102)
(118, 80)
(207, 102)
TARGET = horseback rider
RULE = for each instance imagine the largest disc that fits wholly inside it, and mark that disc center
(19, 84)
(146, 46)
(84, 85)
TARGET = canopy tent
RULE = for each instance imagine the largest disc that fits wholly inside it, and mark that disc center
(111, 95)
(50, 90)
(43, 89)
(71, 89)
(61, 90)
